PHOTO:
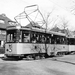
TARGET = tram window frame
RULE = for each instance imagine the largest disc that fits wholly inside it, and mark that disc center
(37, 37)
(71, 41)
(53, 39)
(62, 40)
(48, 38)
(57, 39)
(25, 38)
(11, 36)
(33, 37)
(18, 36)
(65, 40)
(42, 38)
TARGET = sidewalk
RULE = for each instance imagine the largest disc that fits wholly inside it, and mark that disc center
(66, 59)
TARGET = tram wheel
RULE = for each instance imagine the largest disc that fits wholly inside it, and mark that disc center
(29, 57)
(36, 56)
(59, 54)
(19, 58)
(42, 56)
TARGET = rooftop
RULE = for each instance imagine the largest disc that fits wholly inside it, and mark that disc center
(4, 21)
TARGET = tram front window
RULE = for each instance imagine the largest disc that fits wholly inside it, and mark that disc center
(12, 36)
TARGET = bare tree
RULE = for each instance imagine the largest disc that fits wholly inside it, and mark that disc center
(64, 23)
(49, 20)
(73, 7)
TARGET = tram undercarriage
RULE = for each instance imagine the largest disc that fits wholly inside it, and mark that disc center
(27, 56)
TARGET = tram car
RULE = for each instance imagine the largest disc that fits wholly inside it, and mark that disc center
(71, 45)
(24, 42)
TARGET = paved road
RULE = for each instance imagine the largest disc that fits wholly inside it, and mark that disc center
(48, 66)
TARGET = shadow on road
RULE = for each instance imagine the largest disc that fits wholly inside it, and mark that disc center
(26, 59)
(9, 59)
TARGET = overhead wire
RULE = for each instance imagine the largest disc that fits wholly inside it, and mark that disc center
(60, 6)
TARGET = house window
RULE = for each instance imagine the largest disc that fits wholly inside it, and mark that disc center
(12, 23)
(2, 21)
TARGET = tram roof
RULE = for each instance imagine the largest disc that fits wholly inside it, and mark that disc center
(42, 30)
(57, 33)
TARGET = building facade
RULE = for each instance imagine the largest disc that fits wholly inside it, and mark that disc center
(4, 22)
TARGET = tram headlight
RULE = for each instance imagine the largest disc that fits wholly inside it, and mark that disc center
(8, 50)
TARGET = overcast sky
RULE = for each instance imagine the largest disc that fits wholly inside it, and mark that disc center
(61, 8)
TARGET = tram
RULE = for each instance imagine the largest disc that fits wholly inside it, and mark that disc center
(24, 42)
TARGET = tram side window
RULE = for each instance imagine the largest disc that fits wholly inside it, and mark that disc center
(65, 40)
(53, 39)
(42, 38)
(25, 37)
(61, 40)
(34, 37)
(71, 41)
(58, 40)
(48, 39)
(37, 37)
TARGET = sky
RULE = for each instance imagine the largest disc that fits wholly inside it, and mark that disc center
(60, 8)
